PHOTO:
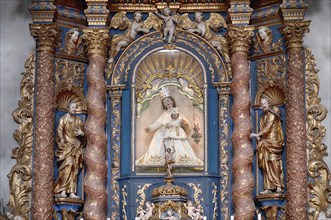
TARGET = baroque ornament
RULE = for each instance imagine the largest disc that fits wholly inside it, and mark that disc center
(240, 39)
(20, 176)
(318, 170)
(296, 157)
(46, 36)
(95, 159)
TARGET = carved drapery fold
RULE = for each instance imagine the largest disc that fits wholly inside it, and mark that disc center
(296, 141)
(95, 153)
(46, 36)
(240, 39)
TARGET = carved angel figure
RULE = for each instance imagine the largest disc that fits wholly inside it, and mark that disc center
(264, 39)
(69, 152)
(121, 41)
(72, 41)
(169, 26)
(190, 209)
(206, 30)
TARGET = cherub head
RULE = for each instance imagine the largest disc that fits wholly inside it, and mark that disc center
(166, 11)
(198, 16)
(264, 32)
(138, 16)
(170, 212)
(74, 34)
(169, 150)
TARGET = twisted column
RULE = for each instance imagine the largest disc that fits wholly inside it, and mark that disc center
(46, 36)
(296, 137)
(240, 38)
(96, 149)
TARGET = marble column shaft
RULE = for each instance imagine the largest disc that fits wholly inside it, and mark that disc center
(240, 39)
(46, 36)
(296, 137)
(96, 149)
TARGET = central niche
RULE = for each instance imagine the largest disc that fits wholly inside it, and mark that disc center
(169, 112)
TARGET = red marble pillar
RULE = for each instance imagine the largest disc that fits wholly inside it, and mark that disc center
(96, 149)
(296, 137)
(46, 36)
(239, 39)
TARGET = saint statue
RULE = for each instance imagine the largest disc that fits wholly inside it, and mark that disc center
(270, 143)
(69, 153)
(170, 132)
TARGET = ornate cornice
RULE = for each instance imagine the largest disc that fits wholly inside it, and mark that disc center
(294, 31)
(240, 38)
(240, 12)
(96, 39)
(46, 35)
(97, 13)
(42, 11)
(293, 9)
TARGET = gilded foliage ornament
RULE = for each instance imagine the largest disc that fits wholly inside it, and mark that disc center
(318, 170)
(20, 176)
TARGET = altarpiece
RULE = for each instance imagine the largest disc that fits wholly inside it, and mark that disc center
(169, 110)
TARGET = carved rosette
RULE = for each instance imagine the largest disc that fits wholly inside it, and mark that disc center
(296, 141)
(46, 36)
(240, 39)
(20, 176)
(96, 149)
(318, 170)
(115, 96)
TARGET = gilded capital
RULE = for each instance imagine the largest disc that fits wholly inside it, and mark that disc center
(46, 35)
(240, 38)
(294, 31)
(96, 40)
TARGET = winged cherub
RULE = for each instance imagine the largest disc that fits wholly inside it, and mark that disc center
(121, 41)
(206, 29)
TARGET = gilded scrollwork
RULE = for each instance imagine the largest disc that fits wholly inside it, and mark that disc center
(319, 173)
(69, 74)
(197, 194)
(124, 202)
(271, 69)
(20, 181)
(215, 209)
(142, 196)
(224, 151)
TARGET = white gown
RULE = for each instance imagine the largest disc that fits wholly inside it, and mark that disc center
(166, 137)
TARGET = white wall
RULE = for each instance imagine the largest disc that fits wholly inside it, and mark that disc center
(16, 43)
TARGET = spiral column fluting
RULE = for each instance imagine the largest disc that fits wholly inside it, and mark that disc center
(240, 39)
(296, 136)
(46, 36)
(96, 148)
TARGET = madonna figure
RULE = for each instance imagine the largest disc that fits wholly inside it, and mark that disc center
(170, 131)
